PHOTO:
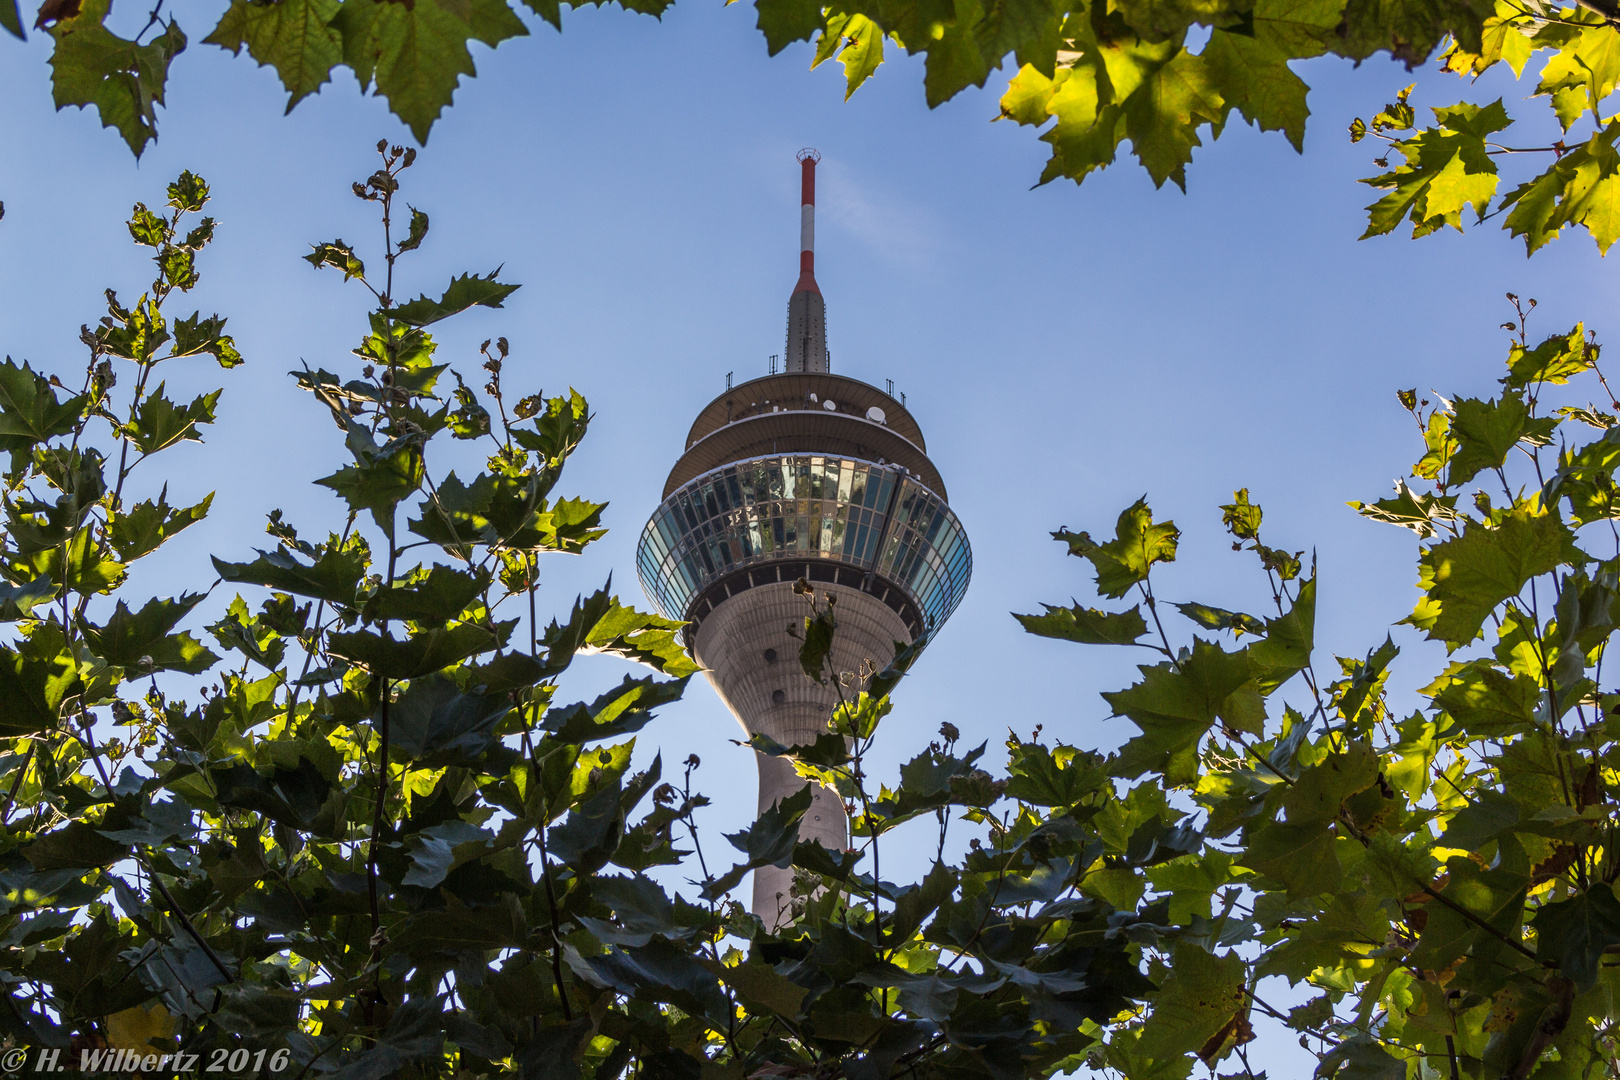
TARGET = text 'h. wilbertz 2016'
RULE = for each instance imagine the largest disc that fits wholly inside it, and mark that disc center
(801, 475)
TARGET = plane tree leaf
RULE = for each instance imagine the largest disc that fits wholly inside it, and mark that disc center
(295, 37)
(143, 641)
(30, 411)
(333, 575)
(124, 80)
(464, 292)
(1465, 578)
(1176, 704)
(415, 55)
(1139, 542)
(1574, 933)
(1087, 625)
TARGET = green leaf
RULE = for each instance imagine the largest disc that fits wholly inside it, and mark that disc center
(433, 722)
(636, 635)
(337, 254)
(1162, 118)
(1202, 993)
(1487, 702)
(769, 841)
(1300, 856)
(35, 679)
(291, 36)
(600, 623)
(1360, 1057)
(29, 410)
(196, 335)
(1490, 815)
(11, 19)
(816, 643)
(590, 835)
(620, 711)
(499, 924)
(1581, 71)
(333, 576)
(81, 568)
(1191, 881)
(1582, 187)
(418, 231)
(124, 80)
(760, 986)
(1446, 168)
(18, 601)
(437, 850)
(1061, 776)
(420, 654)
(253, 637)
(291, 795)
(1466, 578)
(1124, 561)
(785, 21)
(1251, 69)
(142, 641)
(1286, 649)
(858, 43)
(1410, 509)
(159, 423)
(464, 292)
(1574, 933)
(1214, 618)
(75, 845)
(1319, 793)
(428, 596)
(1494, 898)
(1556, 360)
(1087, 625)
(1409, 31)
(1487, 430)
(1175, 704)
(416, 54)
(559, 427)
(382, 477)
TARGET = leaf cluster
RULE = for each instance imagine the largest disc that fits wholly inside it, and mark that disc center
(1092, 76)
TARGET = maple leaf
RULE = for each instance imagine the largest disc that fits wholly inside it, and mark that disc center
(857, 42)
(1580, 188)
(415, 54)
(292, 36)
(123, 79)
(1446, 168)
(1466, 578)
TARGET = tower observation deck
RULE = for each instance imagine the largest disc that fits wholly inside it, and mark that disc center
(801, 475)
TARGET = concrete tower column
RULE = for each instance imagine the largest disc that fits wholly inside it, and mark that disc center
(753, 663)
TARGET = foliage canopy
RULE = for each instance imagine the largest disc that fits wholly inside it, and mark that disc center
(1090, 76)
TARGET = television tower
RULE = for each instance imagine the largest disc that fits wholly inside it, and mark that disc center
(808, 475)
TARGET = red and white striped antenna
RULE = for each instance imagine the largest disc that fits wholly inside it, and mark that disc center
(807, 220)
(807, 313)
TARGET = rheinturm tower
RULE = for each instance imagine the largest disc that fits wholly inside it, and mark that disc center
(801, 475)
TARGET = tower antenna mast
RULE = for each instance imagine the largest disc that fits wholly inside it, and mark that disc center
(807, 311)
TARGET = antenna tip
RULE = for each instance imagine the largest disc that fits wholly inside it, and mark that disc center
(809, 153)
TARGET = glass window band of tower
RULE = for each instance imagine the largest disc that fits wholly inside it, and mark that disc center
(799, 507)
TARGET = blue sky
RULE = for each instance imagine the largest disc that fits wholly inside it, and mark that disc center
(1066, 349)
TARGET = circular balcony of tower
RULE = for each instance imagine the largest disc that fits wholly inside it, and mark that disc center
(824, 517)
(805, 412)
